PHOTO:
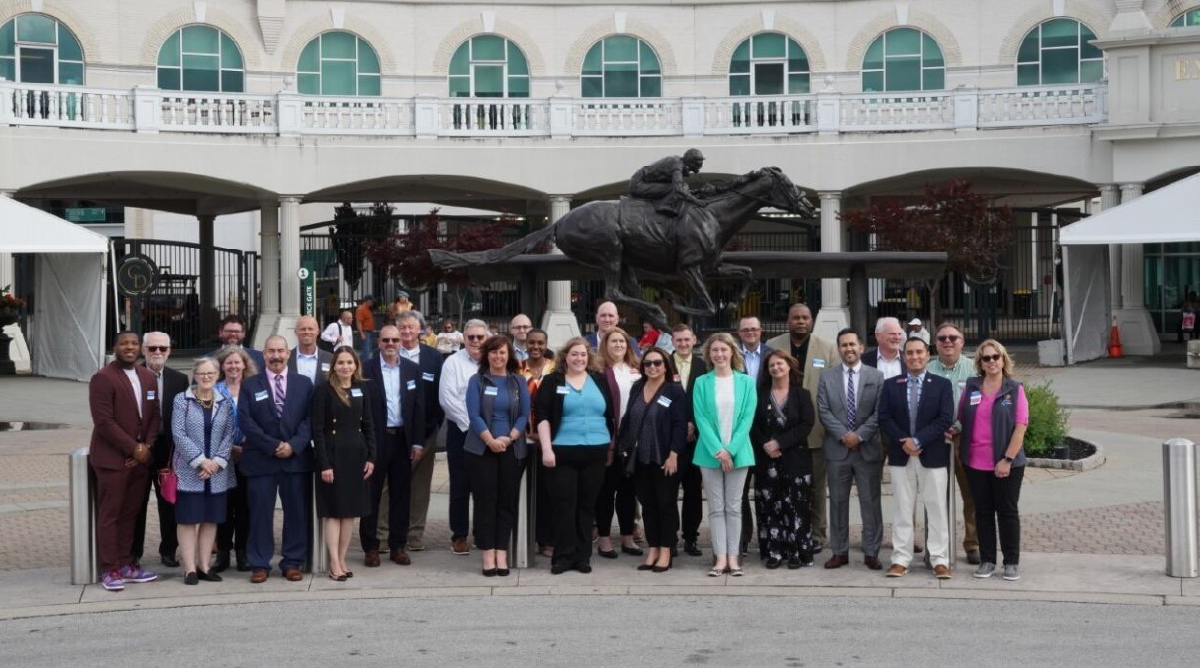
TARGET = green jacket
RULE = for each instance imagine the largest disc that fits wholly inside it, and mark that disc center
(708, 429)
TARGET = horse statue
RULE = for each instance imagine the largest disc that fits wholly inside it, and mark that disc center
(623, 237)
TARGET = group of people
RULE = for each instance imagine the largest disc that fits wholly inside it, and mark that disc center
(611, 424)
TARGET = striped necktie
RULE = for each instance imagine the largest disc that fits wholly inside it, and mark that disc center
(851, 409)
(280, 395)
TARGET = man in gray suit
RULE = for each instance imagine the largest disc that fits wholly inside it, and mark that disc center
(847, 399)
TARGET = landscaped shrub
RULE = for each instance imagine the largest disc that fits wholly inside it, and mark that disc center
(1047, 421)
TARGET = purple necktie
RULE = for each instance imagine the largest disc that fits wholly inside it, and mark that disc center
(280, 395)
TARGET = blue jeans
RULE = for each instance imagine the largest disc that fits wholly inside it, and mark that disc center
(368, 343)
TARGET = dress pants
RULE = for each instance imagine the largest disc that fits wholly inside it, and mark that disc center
(970, 535)
(996, 499)
(393, 469)
(120, 496)
(496, 485)
(724, 494)
(168, 543)
(291, 489)
(693, 497)
(616, 494)
(543, 508)
(460, 482)
(868, 477)
(419, 490)
(659, 495)
(232, 533)
(574, 483)
(931, 484)
(748, 509)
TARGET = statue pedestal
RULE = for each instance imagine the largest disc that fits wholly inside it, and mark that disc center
(560, 326)
(830, 321)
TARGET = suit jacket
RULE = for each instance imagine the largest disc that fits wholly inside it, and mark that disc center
(264, 430)
(792, 434)
(821, 355)
(670, 407)
(174, 384)
(708, 427)
(412, 400)
(871, 359)
(831, 410)
(430, 365)
(935, 414)
(336, 425)
(324, 362)
(117, 425)
(699, 368)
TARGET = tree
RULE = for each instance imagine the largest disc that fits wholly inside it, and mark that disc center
(406, 255)
(950, 218)
(354, 232)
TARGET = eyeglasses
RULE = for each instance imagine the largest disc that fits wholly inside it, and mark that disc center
(390, 340)
(521, 327)
(648, 363)
(750, 330)
(947, 338)
(476, 337)
(205, 374)
(990, 358)
(158, 349)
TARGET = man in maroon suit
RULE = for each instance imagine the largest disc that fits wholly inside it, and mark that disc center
(124, 402)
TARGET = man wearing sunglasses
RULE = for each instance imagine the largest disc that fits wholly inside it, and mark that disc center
(956, 367)
(156, 350)
(456, 372)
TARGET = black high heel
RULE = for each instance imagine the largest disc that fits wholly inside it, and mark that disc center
(663, 569)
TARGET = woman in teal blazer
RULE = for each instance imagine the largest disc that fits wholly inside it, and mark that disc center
(724, 401)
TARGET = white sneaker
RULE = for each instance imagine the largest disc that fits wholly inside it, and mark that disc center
(1011, 572)
(985, 570)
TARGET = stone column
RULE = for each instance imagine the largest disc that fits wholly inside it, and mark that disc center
(208, 271)
(6, 259)
(833, 315)
(558, 320)
(1110, 196)
(1138, 336)
(289, 256)
(268, 277)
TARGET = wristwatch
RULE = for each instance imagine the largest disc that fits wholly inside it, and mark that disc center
(1008, 459)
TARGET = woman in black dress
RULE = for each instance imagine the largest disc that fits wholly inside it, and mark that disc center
(783, 495)
(344, 447)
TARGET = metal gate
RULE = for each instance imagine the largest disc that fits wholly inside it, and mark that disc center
(172, 304)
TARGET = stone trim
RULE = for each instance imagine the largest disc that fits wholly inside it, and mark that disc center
(1167, 11)
(470, 28)
(161, 30)
(753, 25)
(62, 12)
(1086, 13)
(321, 23)
(573, 65)
(921, 20)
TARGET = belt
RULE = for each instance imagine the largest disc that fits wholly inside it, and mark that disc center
(394, 431)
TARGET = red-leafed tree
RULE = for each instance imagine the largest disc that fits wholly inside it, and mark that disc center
(405, 255)
(950, 218)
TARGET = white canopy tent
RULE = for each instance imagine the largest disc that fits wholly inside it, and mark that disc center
(67, 324)
(1166, 215)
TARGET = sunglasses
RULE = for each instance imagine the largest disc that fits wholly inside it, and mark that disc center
(947, 338)
(648, 363)
(990, 358)
(390, 340)
(158, 349)
(474, 337)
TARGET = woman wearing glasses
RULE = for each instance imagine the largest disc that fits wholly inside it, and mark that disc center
(652, 436)
(994, 414)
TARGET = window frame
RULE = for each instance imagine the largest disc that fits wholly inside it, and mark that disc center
(785, 61)
(1182, 21)
(54, 48)
(924, 71)
(473, 64)
(642, 48)
(222, 38)
(359, 44)
(1080, 44)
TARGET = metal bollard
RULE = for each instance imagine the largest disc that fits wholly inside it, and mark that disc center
(84, 569)
(523, 532)
(1179, 507)
(317, 559)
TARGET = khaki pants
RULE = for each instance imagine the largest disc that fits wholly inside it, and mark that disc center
(422, 479)
(970, 535)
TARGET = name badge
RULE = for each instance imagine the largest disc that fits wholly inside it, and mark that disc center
(818, 363)
(150, 395)
(355, 392)
(261, 395)
(664, 402)
(561, 389)
(325, 367)
(962, 384)
(427, 377)
(491, 390)
(975, 398)
(411, 385)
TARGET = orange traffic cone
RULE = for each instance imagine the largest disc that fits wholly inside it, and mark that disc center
(1114, 341)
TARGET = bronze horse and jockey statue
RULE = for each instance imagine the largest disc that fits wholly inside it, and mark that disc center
(663, 228)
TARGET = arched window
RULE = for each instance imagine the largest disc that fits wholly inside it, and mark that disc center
(621, 66)
(35, 48)
(1058, 52)
(489, 66)
(1189, 18)
(768, 63)
(338, 63)
(200, 58)
(903, 59)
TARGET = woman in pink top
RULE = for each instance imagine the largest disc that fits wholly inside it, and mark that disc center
(994, 414)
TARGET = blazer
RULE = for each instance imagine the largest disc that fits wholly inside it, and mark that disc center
(324, 362)
(117, 425)
(430, 365)
(174, 384)
(935, 414)
(548, 403)
(671, 409)
(871, 359)
(699, 368)
(479, 408)
(831, 410)
(336, 425)
(264, 430)
(820, 356)
(187, 426)
(412, 400)
(708, 428)
(792, 435)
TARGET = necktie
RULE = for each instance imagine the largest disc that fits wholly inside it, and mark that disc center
(280, 396)
(851, 409)
(914, 397)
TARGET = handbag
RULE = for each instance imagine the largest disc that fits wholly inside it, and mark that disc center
(168, 484)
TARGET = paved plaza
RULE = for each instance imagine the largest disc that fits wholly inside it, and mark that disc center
(1092, 536)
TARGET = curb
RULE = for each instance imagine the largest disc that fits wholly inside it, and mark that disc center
(1095, 460)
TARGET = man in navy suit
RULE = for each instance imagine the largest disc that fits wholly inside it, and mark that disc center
(398, 410)
(915, 410)
(277, 460)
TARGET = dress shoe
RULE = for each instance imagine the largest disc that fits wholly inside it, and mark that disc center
(221, 563)
(559, 568)
(169, 560)
(645, 567)
(415, 545)
(259, 575)
(873, 563)
(607, 554)
(691, 548)
(663, 569)
(293, 574)
(973, 557)
(583, 567)
(489, 572)
(371, 558)
(799, 562)
(837, 561)
(191, 579)
(503, 572)
(635, 550)
(208, 576)
(243, 562)
(897, 571)
(941, 572)
(399, 556)
(817, 547)
(459, 546)
(772, 563)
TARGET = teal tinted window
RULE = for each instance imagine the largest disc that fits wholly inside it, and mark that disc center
(903, 59)
(621, 66)
(338, 63)
(489, 66)
(200, 58)
(1058, 52)
(768, 63)
(35, 48)
(1188, 18)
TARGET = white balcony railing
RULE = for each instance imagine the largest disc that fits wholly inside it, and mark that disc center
(145, 109)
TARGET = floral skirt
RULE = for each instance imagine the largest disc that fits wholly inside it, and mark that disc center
(784, 511)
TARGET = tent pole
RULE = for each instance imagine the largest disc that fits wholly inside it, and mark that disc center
(1068, 329)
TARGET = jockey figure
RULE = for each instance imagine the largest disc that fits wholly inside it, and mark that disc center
(663, 182)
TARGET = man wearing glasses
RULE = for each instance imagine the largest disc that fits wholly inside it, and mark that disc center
(519, 328)
(956, 367)
(232, 333)
(452, 395)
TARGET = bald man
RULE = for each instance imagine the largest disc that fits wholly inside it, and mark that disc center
(519, 328)
(307, 359)
(607, 319)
